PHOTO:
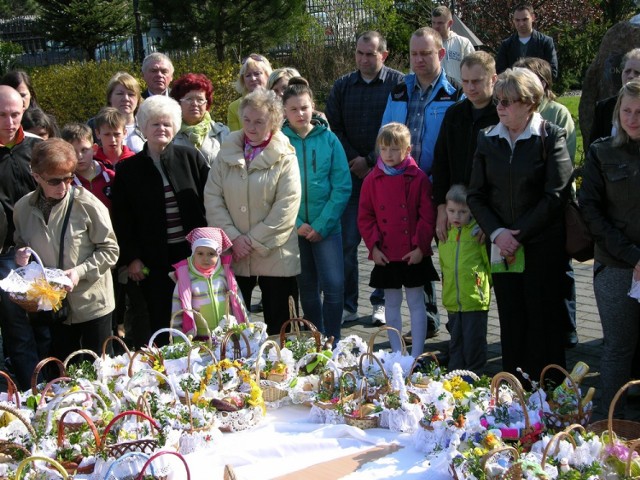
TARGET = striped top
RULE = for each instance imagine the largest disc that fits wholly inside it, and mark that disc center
(175, 231)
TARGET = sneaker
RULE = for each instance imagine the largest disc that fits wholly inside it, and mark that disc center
(348, 316)
(377, 317)
(432, 330)
(571, 339)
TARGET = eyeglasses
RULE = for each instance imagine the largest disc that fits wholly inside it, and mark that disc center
(504, 102)
(194, 101)
(54, 182)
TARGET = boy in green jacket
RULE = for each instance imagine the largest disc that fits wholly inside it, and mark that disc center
(466, 275)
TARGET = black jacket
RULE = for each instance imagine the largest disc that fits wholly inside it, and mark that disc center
(610, 201)
(453, 154)
(15, 179)
(540, 45)
(138, 205)
(521, 190)
(603, 119)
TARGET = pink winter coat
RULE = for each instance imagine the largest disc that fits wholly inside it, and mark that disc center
(396, 212)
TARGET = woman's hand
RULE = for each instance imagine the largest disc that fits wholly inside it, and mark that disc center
(135, 270)
(414, 257)
(507, 242)
(73, 276)
(442, 224)
(636, 272)
(241, 247)
(22, 256)
(379, 258)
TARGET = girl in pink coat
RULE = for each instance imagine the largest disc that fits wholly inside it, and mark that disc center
(396, 219)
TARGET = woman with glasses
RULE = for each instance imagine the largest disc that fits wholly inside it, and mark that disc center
(89, 251)
(610, 201)
(254, 73)
(518, 190)
(194, 92)
(157, 198)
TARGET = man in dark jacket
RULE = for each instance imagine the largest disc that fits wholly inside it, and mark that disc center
(22, 342)
(456, 144)
(526, 42)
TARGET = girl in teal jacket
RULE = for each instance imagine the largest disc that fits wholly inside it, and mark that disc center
(326, 187)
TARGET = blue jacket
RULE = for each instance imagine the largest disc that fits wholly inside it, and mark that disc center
(442, 96)
(325, 178)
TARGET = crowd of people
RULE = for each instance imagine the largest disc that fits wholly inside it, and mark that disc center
(467, 152)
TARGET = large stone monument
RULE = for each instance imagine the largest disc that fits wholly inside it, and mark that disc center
(602, 79)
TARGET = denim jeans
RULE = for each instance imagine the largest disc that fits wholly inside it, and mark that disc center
(322, 274)
(23, 344)
(350, 242)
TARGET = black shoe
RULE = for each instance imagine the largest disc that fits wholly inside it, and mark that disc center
(432, 330)
(572, 339)
(257, 308)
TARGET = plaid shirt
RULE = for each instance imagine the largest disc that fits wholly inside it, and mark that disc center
(415, 116)
(354, 110)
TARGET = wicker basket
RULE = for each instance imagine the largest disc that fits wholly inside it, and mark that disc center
(418, 387)
(58, 402)
(633, 446)
(373, 392)
(36, 371)
(274, 387)
(556, 421)
(34, 458)
(7, 447)
(514, 472)
(622, 429)
(295, 327)
(31, 305)
(142, 476)
(555, 440)
(144, 445)
(530, 433)
(359, 420)
(234, 338)
(72, 467)
(12, 393)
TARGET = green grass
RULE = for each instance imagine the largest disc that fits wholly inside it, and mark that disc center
(572, 104)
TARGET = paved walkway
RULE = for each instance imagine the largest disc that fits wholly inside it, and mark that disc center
(589, 350)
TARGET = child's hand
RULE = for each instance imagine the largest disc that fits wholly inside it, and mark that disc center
(313, 236)
(304, 230)
(414, 256)
(135, 270)
(379, 258)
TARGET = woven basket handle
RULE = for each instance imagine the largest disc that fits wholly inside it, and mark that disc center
(87, 419)
(23, 464)
(197, 318)
(612, 406)
(12, 389)
(84, 351)
(114, 338)
(376, 360)
(48, 387)
(236, 351)
(573, 385)
(198, 346)
(36, 371)
(16, 413)
(172, 332)
(150, 371)
(58, 401)
(556, 438)
(384, 328)
(510, 379)
(575, 426)
(295, 324)
(158, 454)
(127, 413)
(487, 456)
(343, 382)
(415, 363)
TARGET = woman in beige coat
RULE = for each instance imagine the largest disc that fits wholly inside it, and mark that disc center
(253, 194)
(90, 247)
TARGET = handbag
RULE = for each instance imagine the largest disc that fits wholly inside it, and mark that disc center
(48, 318)
(579, 242)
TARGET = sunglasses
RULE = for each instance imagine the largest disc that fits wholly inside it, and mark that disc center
(504, 102)
(54, 182)
(255, 57)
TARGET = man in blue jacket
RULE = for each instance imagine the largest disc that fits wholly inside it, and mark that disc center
(420, 102)
(526, 42)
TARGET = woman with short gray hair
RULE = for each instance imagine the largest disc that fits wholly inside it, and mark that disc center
(157, 199)
(518, 190)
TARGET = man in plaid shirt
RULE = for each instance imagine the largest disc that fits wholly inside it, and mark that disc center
(354, 110)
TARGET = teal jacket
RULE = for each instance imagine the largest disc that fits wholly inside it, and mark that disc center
(325, 178)
(466, 272)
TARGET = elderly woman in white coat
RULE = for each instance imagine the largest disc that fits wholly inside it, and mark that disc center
(253, 194)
